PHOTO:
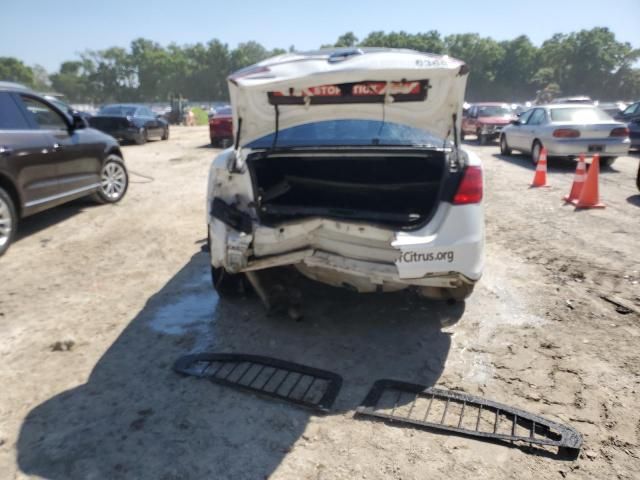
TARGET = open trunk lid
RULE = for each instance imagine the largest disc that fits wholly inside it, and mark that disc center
(406, 87)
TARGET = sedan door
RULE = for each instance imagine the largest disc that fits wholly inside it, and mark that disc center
(26, 156)
(516, 134)
(529, 131)
(77, 153)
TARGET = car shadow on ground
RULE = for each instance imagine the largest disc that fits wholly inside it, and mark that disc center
(136, 418)
(634, 200)
(40, 221)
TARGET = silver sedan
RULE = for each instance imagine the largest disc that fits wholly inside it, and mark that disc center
(566, 130)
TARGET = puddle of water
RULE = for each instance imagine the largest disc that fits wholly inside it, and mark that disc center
(192, 313)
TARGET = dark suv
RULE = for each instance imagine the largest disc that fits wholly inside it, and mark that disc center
(48, 157)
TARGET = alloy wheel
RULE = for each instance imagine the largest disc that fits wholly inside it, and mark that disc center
(6, 223)
(114, 180)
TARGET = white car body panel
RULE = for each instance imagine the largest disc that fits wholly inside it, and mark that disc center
(446, 252)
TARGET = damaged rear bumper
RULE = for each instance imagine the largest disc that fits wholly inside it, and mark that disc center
(447, 253)
(359, 275)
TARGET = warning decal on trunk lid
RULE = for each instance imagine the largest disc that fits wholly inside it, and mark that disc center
(361, 92)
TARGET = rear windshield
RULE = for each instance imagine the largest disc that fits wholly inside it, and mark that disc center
(350, 133)
(118, 110)
(223, 111)
(494, 111)
(579, 115)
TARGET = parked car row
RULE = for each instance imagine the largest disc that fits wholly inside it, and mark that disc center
(565, 128)
(49, 156)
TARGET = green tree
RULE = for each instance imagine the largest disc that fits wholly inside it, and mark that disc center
(430, 41)
(591, 62)
(516, 70)
(484, 57)
(72, 81)
(41, 81)
(346, 40)
(13, 70)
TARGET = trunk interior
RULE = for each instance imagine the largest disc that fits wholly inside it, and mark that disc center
(399, 190)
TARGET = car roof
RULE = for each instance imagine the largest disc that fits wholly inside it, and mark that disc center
(14, 86)
(491, 104)
(565, 105)
(132, 105)
(574, 98)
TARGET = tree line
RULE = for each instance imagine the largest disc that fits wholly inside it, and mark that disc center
(588, 62)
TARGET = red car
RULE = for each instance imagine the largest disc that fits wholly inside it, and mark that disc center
(485, 120)
(221, 127)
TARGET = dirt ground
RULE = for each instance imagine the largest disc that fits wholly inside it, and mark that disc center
(97, 302)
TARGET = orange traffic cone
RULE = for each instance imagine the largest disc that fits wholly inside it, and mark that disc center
(578, 180)
(540, 177)
(589, 197)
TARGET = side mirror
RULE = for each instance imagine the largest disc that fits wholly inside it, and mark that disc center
(79, 121)
(515, 122)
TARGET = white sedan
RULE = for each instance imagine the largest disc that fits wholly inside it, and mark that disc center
(566, 130)
(347, 165)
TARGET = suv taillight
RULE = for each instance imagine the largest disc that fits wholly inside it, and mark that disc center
(619, 132)
(470, 188)
(566, 133)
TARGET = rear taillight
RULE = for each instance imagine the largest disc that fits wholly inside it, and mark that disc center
(470, 188)
(619, 132)
(566, 133)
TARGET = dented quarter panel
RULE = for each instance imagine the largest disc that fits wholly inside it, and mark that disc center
(454, 228)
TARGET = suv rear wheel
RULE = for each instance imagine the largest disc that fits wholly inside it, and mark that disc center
(114, 181)
(8, 220)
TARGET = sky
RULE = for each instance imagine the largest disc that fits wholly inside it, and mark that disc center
(50, 32)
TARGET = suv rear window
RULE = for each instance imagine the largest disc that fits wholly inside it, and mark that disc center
(11, 118)
(349, 133)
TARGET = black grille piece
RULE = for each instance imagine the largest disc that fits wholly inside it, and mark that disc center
(463, 414)
(291, 382)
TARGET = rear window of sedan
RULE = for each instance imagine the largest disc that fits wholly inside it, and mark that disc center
(118, 111)
(350, 132)
(583, 115)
